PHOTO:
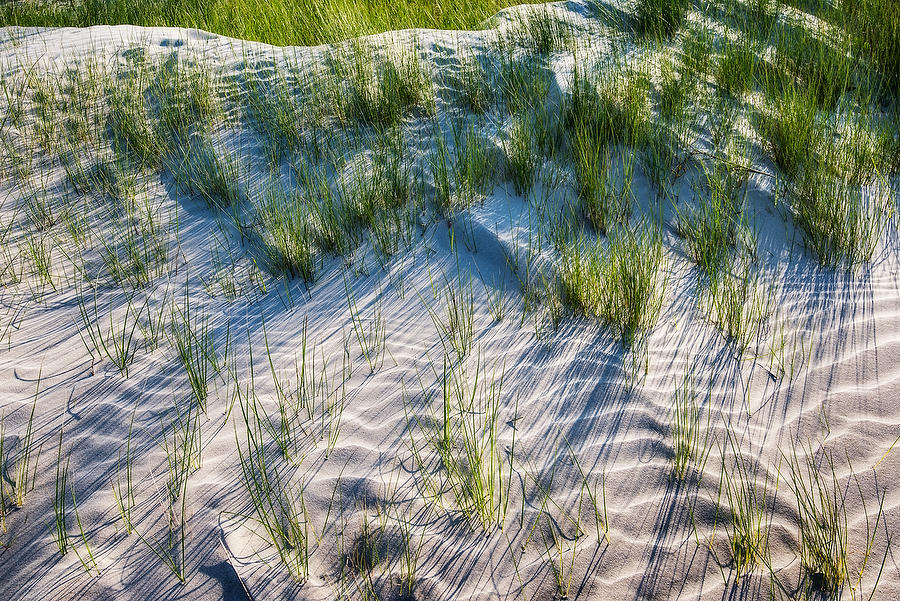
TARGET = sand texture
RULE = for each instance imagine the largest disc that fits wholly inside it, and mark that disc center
(555, 467)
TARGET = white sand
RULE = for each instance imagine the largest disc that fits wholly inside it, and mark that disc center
(572, 387)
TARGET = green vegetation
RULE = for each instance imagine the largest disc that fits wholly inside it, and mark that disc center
(748, 526)
(660, 18)
(619, 283)
(282, 22)
(710, 228)
(379, 166)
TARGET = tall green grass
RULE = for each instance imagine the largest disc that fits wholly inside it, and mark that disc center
(379, 89)
(659, 18)
(620, 283)
(279, 22)
(710, 228)
(874, 28)
(823, 167)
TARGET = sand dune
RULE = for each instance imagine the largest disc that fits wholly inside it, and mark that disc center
(574, 429)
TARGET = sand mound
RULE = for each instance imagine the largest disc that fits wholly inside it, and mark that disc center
(414, 410)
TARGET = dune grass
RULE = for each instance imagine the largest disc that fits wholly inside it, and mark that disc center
(367, 189)
(659, 18)
(620, 282)
(747, 529)
(691, 435)
(282, 22)
(278, 506)
(379, 89)
(830, 550)
(288, 234)
(459, 451)
(710, 228)
(874, 27)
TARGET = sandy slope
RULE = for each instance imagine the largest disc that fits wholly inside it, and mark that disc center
(573, 387)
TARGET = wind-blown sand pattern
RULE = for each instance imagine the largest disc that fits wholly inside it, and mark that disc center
(460, 432)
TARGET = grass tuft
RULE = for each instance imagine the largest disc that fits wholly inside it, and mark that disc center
(619, 283)
(288, 234)
(659, 18)
(379, 92)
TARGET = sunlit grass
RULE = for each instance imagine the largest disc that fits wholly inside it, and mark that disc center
(280, 22)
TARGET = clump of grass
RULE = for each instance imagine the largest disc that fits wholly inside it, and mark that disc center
(377, 195)
(198, 169)
(64, 489)
(604, 189)
(560, 552)
(697, 50)
(88, 561)
(615, 107)
(275, 113)
(818, 61)
(185, 97)
(676, 89)
(748, 527)
(278, 507)
(118, 342)
(40, 210)
(619, 283)
(473, 167)
(840, 225)
(182, 443)
(736, 303)
(139, 251)
(888, 144)
(633, 113)
(759, 18)
(383, 185)
(662, 158)
(690, 445)
(546, 125)
(476, 87)
(194, 344)
(129, 127)
(711, 227)
(792, 131)
(824, 531)
(464, 174)
(539, 31)
(108, 179)
(824, 168)
(456, 326)
(524, 83)
(522, 160)
(874, 26)
(60, 530)
(633, 288)
(332, 221)
(39, 250)
(736, 67)
(659, 18)
(866, 150)
(439, 164)
(287, 233)
(310, 403)
(26, 473)
(379, 93)
(124, 494)
(581, 277)
(466, 440)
